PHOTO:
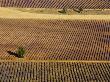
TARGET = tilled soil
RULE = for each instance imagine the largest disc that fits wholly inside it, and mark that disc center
(56, 39)
(54, 72)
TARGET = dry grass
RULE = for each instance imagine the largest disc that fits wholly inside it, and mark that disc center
(28, 13)
(68, 12)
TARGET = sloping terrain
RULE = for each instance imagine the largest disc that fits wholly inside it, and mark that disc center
(56, 39)
(70, 4)
(59, 48)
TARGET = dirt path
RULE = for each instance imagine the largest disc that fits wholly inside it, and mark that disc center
(65, 61)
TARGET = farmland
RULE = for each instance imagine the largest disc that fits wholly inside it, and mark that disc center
(54, 72)
(56, 39)
(59, 48)
(70, 4)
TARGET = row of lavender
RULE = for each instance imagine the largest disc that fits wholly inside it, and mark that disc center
(87, 4)
(56, 39)
(54, 72)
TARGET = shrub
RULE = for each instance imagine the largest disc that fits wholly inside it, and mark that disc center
(63, 11)
(79, 10)
(20, 52)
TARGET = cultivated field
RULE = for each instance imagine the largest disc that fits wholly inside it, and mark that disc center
(59, 48)
(56, 39)
(54, 72)
(70, 4)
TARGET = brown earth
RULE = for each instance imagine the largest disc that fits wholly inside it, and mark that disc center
(55, 39)
(54, 72)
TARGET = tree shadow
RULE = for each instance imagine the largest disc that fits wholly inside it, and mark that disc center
(12, 53)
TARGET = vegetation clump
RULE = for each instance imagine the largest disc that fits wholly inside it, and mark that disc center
(63, 11)
(79, 10)
(20, 52)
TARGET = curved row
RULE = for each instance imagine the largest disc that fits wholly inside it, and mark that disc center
(56, 39)
(86, 4)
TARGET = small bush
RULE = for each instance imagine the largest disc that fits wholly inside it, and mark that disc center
(20, 52)
(79, 10)
(63, 11)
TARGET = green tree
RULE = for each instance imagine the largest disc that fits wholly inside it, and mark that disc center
(20, 52)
